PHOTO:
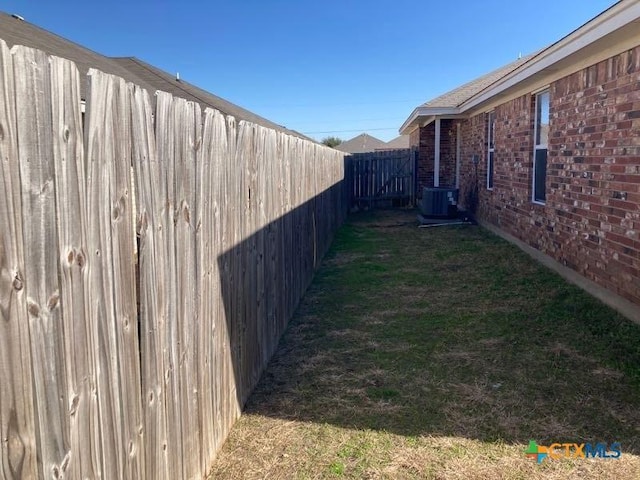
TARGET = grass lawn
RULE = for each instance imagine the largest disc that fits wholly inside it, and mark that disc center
(439, 353)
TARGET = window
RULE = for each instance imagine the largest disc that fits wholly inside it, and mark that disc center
(541, 137)
(491, 128)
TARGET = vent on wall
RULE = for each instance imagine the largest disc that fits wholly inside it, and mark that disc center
(439, 202)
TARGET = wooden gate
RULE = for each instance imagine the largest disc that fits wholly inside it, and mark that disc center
(383, 179)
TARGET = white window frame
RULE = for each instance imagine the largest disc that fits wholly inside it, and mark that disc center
(541, 146)
(491, 162)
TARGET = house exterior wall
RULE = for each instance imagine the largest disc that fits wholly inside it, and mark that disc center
(426, 157)
(448, 137)
(591, 219)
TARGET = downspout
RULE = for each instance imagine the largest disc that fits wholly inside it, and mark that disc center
(436, 152)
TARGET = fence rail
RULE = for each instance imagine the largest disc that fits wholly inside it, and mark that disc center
(134, 327)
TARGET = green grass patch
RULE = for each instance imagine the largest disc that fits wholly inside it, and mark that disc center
(421, 352)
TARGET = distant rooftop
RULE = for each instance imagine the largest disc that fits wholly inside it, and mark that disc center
(361, 143)
(399, 142)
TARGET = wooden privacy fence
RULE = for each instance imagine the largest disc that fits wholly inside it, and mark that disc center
(125, 361)
(384, 178)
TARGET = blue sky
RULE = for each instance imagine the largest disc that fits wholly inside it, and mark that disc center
(325, 67)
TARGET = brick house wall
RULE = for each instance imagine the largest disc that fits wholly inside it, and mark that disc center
(594, 172)
(473, 177)
(591, 219)
(448, 136)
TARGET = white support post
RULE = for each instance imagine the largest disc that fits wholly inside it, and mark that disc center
(436, 166)
(458, 147)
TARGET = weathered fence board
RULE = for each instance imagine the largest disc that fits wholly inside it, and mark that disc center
(209, 164)
(114, 326)
(231, 212)
(166, 151)
(187, 140)
(42, 288)
(71, 212)
(125, 362)
(17, 427)
(150, 175)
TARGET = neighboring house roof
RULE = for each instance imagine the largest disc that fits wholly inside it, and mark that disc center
(361, 144)
(19, 32)
(157, 79)
(612, 32)
(397, 143)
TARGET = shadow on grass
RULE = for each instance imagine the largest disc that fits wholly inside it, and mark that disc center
(452, 332)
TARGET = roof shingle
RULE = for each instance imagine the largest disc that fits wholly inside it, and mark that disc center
(458, 96)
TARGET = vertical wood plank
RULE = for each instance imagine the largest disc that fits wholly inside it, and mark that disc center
(42, 288)
(244, 245)
(150, 182)
(205, 238)
(71, 212)
(253, 238)
(125, 294)
(231, 238)
(187, 140)
(165, 147)
(17, 428)
(112, 275)
(271, 219)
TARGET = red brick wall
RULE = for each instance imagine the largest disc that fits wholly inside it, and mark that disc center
(448, 137)
(472, 176)
(426, 157)
(594, 172)
(591, 220)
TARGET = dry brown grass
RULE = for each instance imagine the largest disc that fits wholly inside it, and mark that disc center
(438, 354)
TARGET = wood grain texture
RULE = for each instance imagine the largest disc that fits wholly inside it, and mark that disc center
(71, 214)
(187, 141)
(212, 334)
(205, 238)
(114, 332)
(231, 208)
(17, 428)
(164, 123)
(42, 287)
(150, 175)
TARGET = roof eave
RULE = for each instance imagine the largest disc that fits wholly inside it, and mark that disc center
(422, 116)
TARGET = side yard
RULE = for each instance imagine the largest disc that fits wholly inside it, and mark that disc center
(439, 353)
